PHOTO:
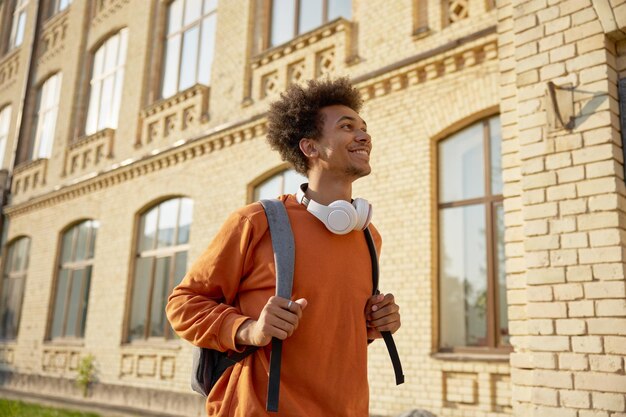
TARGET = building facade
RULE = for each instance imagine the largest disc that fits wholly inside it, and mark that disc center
(129, 130)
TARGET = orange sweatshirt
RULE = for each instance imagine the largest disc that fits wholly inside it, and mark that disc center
(324, 363)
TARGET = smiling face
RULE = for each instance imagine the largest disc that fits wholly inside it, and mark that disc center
(344, 147)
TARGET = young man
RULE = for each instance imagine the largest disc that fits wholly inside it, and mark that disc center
(226, 301)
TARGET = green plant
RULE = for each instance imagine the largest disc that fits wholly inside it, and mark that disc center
(86, 373)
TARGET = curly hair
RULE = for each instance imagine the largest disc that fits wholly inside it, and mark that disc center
(296, 115)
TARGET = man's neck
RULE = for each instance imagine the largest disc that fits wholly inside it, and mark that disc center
(325, 190)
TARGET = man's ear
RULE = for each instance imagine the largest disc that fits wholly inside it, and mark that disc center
(309, 147)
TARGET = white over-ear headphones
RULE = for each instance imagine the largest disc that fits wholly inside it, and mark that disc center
(340, 217)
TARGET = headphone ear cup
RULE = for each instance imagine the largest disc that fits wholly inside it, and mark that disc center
(342, 217)
(364, 213)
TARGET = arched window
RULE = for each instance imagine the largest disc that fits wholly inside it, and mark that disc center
(160, 264)
(472, 279)
(189, 45)
(285, 182)
(73, 281)
(46, 116)
(107, 79)
(12, 290)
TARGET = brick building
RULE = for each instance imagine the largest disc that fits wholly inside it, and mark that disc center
(129, 129)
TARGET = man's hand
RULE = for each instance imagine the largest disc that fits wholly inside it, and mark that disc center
(382, 314)
(279, 318)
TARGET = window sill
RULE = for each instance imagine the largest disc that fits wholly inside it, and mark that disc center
(422, 32)
(8, 342)
(338, 25)
(70, 343)
(157, 345)
(471, 356)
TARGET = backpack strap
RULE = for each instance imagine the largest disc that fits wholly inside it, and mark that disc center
(284, 258)
(387, 337)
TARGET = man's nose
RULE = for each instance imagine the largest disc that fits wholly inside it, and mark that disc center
(363, 137)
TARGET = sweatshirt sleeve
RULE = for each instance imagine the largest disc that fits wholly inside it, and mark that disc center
(199, 308)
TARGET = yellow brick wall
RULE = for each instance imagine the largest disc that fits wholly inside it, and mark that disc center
(563, 195)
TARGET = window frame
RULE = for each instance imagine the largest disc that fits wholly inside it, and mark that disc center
(16, 275)
(36, 143)
(181, 32)
(118, 72)
(266, 176)
(170, 251)
(20, 7)
(490, 202)
(268, 7)
(54, 7)
(72, 266)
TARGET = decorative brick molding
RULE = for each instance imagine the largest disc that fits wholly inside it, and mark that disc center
(53, 36)
(179, 117)
(147, 365)
(89, 153)
(326, 50)
(9, 67)
(106, 8)
(29, 177)
(471, 55)
(7, 355)
(59, 360)
(167, 156)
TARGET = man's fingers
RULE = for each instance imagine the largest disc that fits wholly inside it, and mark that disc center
(384, 311)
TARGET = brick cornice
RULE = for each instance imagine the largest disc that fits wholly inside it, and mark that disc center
(456, 56)
(215, 139)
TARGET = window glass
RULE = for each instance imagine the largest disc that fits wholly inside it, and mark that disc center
(503, 321)
(72, 288)
(311, 15)
(12, 288)
(159, 266)
(18, 24)
(47, 106)
(5, 120)
(339, 8)
(495, 139)
(283, 18)
(141, 288)
(286, 182)
(189, 45)
(160, 291)
(148, 229)
(463, 284)
(294, 17)
(189, 62)
(462, 168)
(106, 83)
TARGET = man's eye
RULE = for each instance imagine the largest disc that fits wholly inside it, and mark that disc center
(348, 126)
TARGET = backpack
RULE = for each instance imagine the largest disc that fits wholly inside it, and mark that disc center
(208, 364)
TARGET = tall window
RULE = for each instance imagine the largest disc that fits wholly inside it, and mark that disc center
(106, 83)
(189, 45)
(472, 290)
(160, 265)
(284, 182)
(12, 290)
(56, 6)
(18, 24)
(72, 289)
(5, 119)
(46, 116)
(291, 18)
